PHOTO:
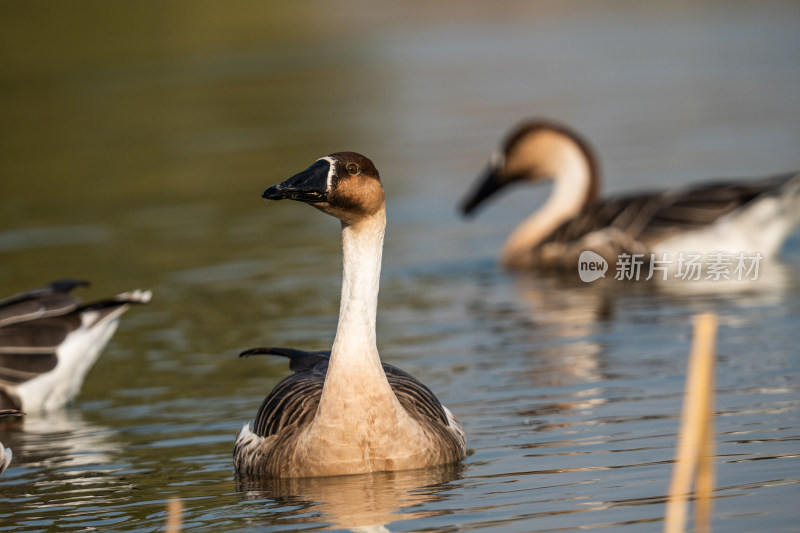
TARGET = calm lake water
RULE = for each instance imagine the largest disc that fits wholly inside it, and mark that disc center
(136, 140)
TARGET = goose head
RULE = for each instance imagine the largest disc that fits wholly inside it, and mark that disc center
(345, 185)
(539, 150)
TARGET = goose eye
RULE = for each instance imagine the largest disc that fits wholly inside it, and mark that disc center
(352, 168)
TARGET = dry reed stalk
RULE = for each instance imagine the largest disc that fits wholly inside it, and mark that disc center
(174, 515)
(694, 457)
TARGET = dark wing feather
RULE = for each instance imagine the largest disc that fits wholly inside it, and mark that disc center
(294, 399)
(50, 300)
(41, 335)
(701, 205)
(632, 224)
(32, 326)
(299, 360)
(34, 323)
(414, 396)
(18, 368)
(651, 216)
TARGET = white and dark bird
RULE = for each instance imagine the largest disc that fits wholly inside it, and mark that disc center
(49, 339)
(725, 215)
(343, 411)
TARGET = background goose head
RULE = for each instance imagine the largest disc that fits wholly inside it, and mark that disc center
(343, 184)
(540, 150)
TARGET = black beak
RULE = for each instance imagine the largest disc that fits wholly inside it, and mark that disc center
(310, 185)
(488, 184)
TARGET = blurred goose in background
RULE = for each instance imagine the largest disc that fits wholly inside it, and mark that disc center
(5, 453)
(49, 340)
(734, 216)
(343, 412)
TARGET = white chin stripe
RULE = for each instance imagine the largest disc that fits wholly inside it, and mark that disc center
(331, 169)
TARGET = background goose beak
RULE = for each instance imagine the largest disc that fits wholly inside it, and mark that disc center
(488, 184)
(310, 185)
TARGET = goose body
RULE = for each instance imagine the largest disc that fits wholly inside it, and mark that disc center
(49, 340)
(5, 453)
(732, 216)
(343, 411)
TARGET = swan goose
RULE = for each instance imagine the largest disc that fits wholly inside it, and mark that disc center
(732, 216)
(49, 340)
(343, 411)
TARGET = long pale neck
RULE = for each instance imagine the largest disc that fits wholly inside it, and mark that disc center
(356, 394)
(355, 382)
(573, 188)
(362, 247)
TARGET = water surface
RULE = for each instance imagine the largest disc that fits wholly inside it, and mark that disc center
(134, 146)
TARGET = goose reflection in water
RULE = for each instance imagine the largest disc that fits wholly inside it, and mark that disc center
(63, 448)
(361, 502)
(563, 333)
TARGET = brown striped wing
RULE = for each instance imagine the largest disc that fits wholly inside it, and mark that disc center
(294, 399)
(654, 215)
